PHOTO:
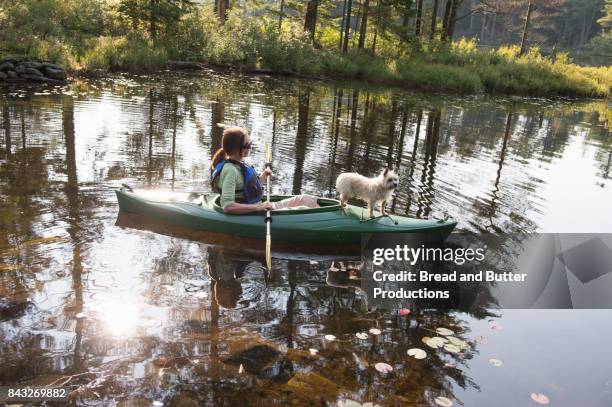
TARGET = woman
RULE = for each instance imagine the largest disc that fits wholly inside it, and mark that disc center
(238, 183)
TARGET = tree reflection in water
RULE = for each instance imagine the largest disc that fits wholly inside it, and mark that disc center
(143, 314)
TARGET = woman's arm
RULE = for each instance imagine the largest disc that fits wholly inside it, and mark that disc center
(236, 208)
(265, 174)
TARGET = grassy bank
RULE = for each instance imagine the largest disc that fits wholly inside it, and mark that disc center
(247, 43)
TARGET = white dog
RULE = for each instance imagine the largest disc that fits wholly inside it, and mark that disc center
(371, 190)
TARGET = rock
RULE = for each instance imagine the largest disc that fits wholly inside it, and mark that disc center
(6, 66)
(311, 385)
(55, 73)
(12, 58)
(20, 69)
(33, 64)
(3, 76)
(185, 65)
(253, 359)
(12, 74)
(33, 78)
(50, 65)
(33, 71)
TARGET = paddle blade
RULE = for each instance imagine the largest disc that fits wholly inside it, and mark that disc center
(268, 152)
(268, 252)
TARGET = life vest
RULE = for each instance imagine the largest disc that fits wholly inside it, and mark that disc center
(253, 189)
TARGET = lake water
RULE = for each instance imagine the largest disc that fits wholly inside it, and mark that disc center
(126, 316)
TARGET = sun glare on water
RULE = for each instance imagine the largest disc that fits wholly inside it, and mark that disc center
(119, 319)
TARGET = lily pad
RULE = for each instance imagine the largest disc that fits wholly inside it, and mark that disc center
(330, 337)
(444, 331)
(361, 335)
(383, 367)
(443, 401)
(417, 353)
(540, 398)
(482, 340)
(495, 326)
(375, 331)
(496, 362)
(452, 348)
(456, 341)
(435, 342)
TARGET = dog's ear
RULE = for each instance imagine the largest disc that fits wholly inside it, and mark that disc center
(396, 170)
(385, 172)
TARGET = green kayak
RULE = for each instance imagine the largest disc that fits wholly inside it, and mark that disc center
(328, 224)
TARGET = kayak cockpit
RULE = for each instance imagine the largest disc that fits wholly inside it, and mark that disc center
(325, 205)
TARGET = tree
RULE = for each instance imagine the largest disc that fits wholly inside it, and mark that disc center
(450, 18)
(364, 24)
(526, 29)
(419, 17)
(310, 21)
(221, 7)
(434, 19)
(281, 12)
(347, 25)
(606, 20)
(154, 13)
(599, 49)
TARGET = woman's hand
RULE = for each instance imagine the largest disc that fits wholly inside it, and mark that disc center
(265, 174)
(265, 206)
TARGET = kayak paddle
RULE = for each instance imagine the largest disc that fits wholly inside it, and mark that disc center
(268, 216)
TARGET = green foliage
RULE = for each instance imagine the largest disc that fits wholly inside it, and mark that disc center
(115, 53)
(153, 13)
(599, 50)
(606, 20)
(92, 35)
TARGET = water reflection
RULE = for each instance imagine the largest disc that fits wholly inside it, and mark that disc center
(135, 311)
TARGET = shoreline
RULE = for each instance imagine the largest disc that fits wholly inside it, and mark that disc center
(189, 66)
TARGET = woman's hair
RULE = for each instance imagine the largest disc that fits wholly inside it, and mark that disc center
(232, 141)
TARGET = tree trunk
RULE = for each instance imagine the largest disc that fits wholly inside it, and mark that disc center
(526, 29)
(301, 140)
(280, 14)
(6, 122)
(153, 20)
(222, 7)
(342, 25)
(483, 26)
(434, 19)
(379, 13)
(310, 22)
(446, 21)
(452, 20)
(347, 25)
(364, 24)
(419, 17)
